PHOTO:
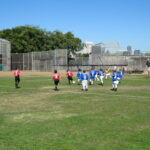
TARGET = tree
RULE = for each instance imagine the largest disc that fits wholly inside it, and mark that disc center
(65, 41)
(72, 44)
(31, 38)
(26, 39)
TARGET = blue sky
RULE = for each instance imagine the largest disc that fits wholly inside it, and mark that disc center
(125, 21)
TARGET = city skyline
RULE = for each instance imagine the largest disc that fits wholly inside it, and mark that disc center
(98, 21)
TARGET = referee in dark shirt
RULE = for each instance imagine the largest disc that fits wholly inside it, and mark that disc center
(148, 66)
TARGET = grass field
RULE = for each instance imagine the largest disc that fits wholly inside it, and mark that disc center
(35, 117)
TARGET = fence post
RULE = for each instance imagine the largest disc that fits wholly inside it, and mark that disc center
(32, 60)
(55, 59)
(23, 61)
(28, 62)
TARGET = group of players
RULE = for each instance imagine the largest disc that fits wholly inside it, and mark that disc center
(83, 78)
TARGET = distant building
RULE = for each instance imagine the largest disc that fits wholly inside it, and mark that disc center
(87, 49)
(137, 52)
(129, 49)
(98, 50)
(107, 48)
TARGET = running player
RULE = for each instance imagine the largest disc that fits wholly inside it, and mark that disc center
(107, 73)
(17, 77)
(101, 76)
(120, 75)
(92, 75)
(115, 81)
(148, 66)
(84, 78)
(56, 78)
(69, 74)
(96, 76)
(79, 73)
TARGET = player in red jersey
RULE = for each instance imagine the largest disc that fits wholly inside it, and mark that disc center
(56, 78)
(17, 78)
(69, 74)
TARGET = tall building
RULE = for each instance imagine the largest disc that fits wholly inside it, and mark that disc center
(137, 52)
(87, 49)
(129, 49)
(107, 48)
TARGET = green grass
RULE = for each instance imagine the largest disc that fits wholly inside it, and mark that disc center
(35, 117)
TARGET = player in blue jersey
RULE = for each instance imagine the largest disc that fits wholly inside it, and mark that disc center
(101, 76)
(79, 73)
(115, 81)
(120, 75)
(84, 78)
(92, 75)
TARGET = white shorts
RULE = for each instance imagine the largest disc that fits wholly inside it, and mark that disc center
(115, 82)
(148, 69)
(101, 77)
(85, 84)
(107, 74)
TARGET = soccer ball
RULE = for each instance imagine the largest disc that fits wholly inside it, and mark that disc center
(73, 82)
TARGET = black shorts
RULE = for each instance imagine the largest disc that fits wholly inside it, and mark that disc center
(70, 78)
(17, 79)
(56, 81)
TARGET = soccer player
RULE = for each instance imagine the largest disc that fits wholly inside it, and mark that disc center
(101, 76)
(56, 78)
(84, 78)
(17, 77)
(79, 73)
(69, 74)
(115, 81)
(92, 75)
(148, 66)
(107, 73)
(96, 76)
(120, 75)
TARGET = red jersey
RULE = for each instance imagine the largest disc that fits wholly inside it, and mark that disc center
(56, 76)
(16, 73)
(69, 74)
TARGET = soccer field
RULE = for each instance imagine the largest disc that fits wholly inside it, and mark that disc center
(35, 117)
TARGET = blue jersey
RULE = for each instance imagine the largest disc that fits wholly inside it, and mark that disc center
(120, 74)
(79, 75)
(84, 76)
(92, 74)
(101, 73)
(115, 76)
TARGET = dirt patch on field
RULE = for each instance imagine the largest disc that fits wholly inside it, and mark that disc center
(29, 117)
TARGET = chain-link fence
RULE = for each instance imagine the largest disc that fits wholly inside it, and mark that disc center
(40, 61)
(103, 58)
(58, 59)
